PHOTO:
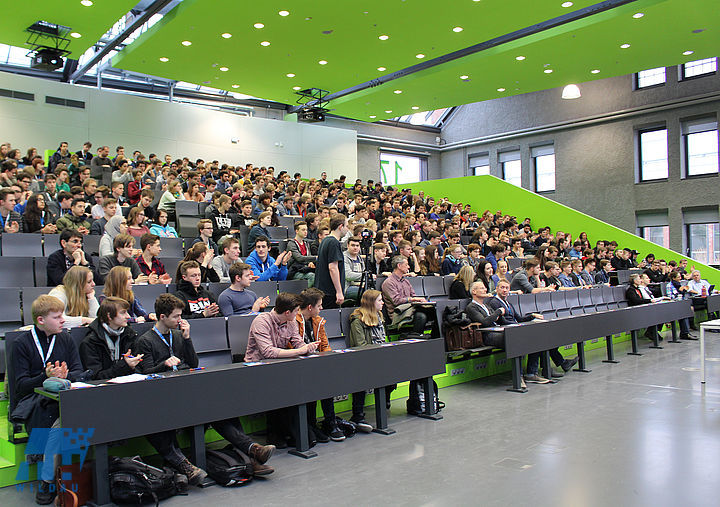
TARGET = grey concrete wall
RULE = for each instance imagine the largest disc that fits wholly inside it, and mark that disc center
(595, 162)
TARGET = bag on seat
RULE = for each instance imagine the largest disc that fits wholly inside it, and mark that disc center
(229, 467)
(135, 482)
(416, 400)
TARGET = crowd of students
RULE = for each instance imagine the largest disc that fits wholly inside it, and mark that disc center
(345, 238)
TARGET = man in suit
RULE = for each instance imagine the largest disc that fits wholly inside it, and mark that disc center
(480, 311)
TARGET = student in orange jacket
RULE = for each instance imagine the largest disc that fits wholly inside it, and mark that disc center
(312, 329)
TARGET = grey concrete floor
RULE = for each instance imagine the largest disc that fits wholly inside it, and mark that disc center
(638, 433)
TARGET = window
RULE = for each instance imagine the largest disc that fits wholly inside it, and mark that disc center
(699, 68)
(700, 142)
(544, 164)
(653, 226)
(653, 154)
(703, 234)
(511, 167)
(396, 169)
(660, 235)
(428, 118)
(479, 164)
(650, 77)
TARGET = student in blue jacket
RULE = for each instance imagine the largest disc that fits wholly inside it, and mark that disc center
(264, 266)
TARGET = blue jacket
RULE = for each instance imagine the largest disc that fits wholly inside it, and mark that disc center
(266, 270)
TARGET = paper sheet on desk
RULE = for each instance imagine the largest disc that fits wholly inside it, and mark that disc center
(80, 385)
(135, 377)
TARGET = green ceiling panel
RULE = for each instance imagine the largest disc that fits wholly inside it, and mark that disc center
(345, 35)
(90, 22)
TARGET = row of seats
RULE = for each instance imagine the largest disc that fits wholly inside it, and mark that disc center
(42, 245)
(432, 287)
(570, 302)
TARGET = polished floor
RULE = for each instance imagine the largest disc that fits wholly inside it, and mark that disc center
(639, 433)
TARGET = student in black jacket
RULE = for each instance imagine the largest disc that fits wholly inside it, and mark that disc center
(70, 254)
(460, 287)
(107, 349)
(166, 348)
(199, 302)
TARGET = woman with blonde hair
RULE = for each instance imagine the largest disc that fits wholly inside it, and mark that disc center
(77, 293)
(460, 287)
(118, 284)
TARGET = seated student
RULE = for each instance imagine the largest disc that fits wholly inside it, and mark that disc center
(430, 266)
(230, 248)
(655, 273)
(205, 234)
(116, 225)
(123, 247)
(203, 256)
(677, 291)
(118, 284)
(109, 208)
(473, 256)
(260, 229)
(484, 275)
(37, 218)
(77, 294)
(550, 276)
(76, 219)
(502, 273)
(148, 261)
(70, 254)
(366, 328)
(161, 227)
(167, 348)
(238, 299)
(511, 316)
(587, 274)
(43, 351)
(107, 349)
(223, 222)
(451, 260)
(603, 274)
(378, 264)
(564, 276)
(137, 225)
(10, 220)
(638, 293)
(460, 287)
(406, 250)
(301, 266)
(312, 328)
(263, 265)
(696, 285)
(526, 279)
(402, 303)
(199, 302)
(354, 268)
(269, 338)
(577, 266)
(576, 252)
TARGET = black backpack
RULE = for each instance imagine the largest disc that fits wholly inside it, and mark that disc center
(135, 482)
(416, 399)
(229, 467)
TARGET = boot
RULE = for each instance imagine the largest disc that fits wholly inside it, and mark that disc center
(261, 453)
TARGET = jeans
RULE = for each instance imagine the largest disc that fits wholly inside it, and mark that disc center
(166, 446)
(358, 401)
(232, 431)
(328, 408)
(533, 363)
(556, 357)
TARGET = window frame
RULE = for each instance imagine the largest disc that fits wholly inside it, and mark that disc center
(544, 150)
(686, 127)
(506, 157)
(639, 157)
(636, 79)
(683, 77)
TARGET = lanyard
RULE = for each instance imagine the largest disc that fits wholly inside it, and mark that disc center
(166, 343)
(39, 348)
(503, 302)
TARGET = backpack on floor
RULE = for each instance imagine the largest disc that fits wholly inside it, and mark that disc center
(135, 482)
(229, 467)
(416, 400)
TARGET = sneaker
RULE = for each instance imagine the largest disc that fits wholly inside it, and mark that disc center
(259, 469)
(261, 453)
(569, 363)
(687, 337)
(194, 474)
(536, 379)
(361, 423)
(556, 374)
(320, 435)
(523, 385)
(46, 493)
(332, 430)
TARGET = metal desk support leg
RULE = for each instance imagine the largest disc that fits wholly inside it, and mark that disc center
(655, 338)
(429, 388)
(609, 345)
(545, 365)
(302, 448)
(197, 450)
(516, 376)
(673, 328)
(101, 477)
(582, 366)
(633, 339)
(702, 354)
(381, 423)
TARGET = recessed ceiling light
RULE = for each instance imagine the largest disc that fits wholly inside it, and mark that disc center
(419, 55)
(224, 69)
(388, 111)
(566, 4)
(226, 35)
(688, 53)
(397, 92)
(464, 77)
(284, 13)
(625, 46)
(322, 62)
(264, 43)
(86, 3)
(186, 43)
(296, 88)
(415, 107)
(259, 25)
(236, 86)
(458, 29)
(520, 58)
(595, 71)
(501, 89)
(75, 35)
(384, 37)
(164, 59)
(638, 15)
(548, 71)
(382, 69)
(290, 75)
(373, 116)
